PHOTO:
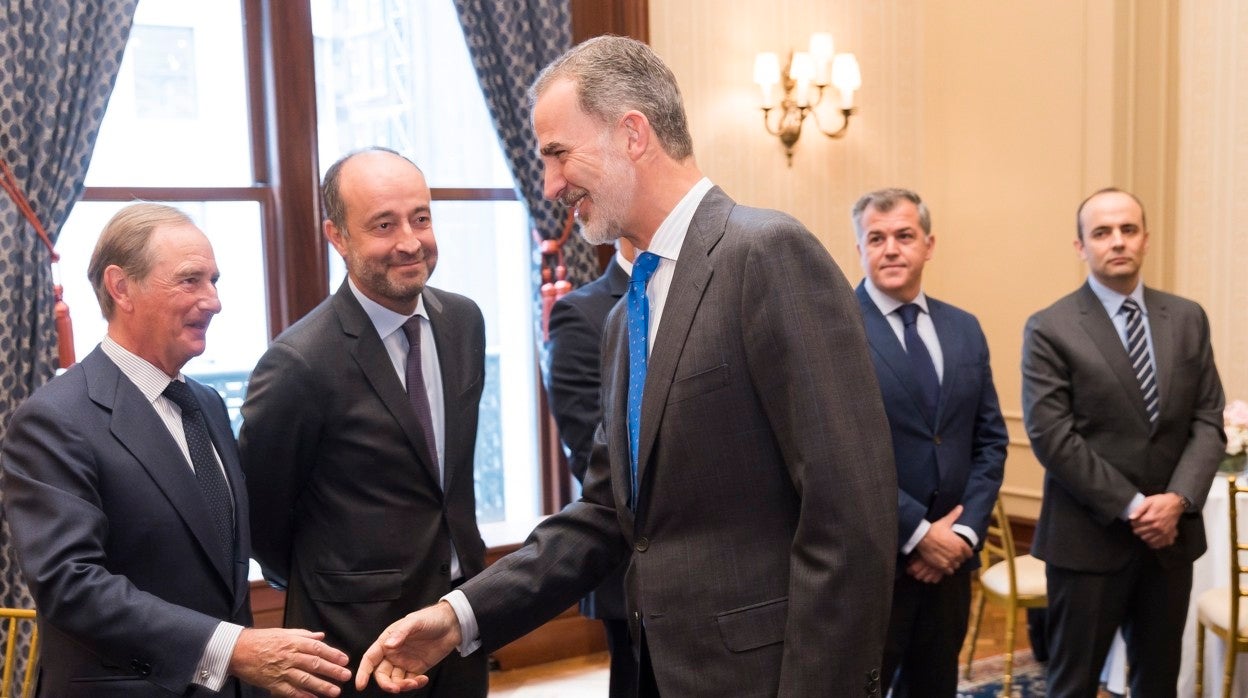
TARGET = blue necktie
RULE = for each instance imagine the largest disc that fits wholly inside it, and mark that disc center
(920, 360)
(638, 337)
(1141, 362)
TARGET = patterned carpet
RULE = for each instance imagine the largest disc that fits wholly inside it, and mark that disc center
(986, 678)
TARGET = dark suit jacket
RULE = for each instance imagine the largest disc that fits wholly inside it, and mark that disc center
(115, 539)
(762, 552)
(959, 458)
(573, 382)
(347, 509)
(1090, 430)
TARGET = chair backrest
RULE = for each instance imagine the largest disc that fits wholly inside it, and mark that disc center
(999, 545)
(1239, 553)
(13, 620)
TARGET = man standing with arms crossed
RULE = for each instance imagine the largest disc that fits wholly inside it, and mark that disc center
(1123, 406)
(949, 440)
(744, 468)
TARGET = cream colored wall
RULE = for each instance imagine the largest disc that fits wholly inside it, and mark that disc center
(1003, 116)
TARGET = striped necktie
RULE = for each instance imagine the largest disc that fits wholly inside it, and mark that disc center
(1141, 361)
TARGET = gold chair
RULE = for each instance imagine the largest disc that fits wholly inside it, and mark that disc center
(1006, 578)
(14, 619)
(1222, 610)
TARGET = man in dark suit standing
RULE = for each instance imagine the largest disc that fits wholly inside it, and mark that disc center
(744, 468)
(1123, 406)
(360, 425)
(123, 490)
(949, 440)
(574, 383)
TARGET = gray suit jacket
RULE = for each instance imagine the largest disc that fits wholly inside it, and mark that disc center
(347, 510)
(115, 539)
(762, 552)
(1090, 430)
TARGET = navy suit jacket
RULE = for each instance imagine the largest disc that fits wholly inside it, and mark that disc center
(959, 456)
(115, 539)
(574, 382)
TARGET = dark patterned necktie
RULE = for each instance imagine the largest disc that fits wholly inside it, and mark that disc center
(416, 387)
(207, 471)
(1141, 362)
(920, 360)
(638, 354)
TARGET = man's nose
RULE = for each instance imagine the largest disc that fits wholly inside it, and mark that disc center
(553, 183)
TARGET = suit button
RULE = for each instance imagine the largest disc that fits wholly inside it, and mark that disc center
(937, 439)
(445, 568)
(874, 675)
(141, 668)
(641, 545)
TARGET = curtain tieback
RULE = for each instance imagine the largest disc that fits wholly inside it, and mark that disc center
(64, 326)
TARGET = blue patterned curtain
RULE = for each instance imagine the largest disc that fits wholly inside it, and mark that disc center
(58, 62)
(510, 41)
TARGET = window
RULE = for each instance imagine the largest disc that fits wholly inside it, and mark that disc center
(187, 125)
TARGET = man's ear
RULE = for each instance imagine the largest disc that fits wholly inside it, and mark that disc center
(637, 127)
(119, 287)
(336, 237)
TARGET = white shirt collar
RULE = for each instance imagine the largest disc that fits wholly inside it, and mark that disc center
(384, 319)
(886, 303)
(670, 236)
(150, 381)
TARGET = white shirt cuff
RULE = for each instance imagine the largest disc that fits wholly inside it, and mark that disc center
(967, 533)
(470, 635)
(915, 537)
(1135, 503)
(214, 666)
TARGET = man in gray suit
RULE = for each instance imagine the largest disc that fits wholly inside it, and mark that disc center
(360, 425)
(1123, 406)
(759, 518)
(123, 489)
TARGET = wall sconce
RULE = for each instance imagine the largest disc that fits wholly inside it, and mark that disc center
(817, 68)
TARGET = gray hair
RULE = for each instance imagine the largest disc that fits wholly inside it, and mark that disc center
(883, 200)
(615, 74)
(126, 243)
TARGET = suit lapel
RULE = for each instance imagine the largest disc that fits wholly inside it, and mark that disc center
(1100, 329)
(1161, 328)
(370, 355)
(136, 426)
(223, 439)
(883, 341)
(689, 283)
(951, 344)
(449, 362)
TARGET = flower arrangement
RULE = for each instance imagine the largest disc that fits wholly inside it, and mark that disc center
(1235, 424)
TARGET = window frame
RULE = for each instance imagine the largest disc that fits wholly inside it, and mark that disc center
(286, 176)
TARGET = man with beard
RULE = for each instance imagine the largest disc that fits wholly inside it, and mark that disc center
(743, 465)
(360, 424)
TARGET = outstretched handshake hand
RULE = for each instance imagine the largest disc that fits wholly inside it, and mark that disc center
(399, 658)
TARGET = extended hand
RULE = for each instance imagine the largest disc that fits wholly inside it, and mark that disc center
(399, 658)
(941, 548)
(1156, 520)
(292, 663)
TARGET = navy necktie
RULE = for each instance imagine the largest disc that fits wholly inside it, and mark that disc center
(638, 354)
(920, 360)
(207, 471)
(416, 387)
(1141, 362)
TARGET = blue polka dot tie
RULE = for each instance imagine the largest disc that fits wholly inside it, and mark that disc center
(638, 337)
(207, 471)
